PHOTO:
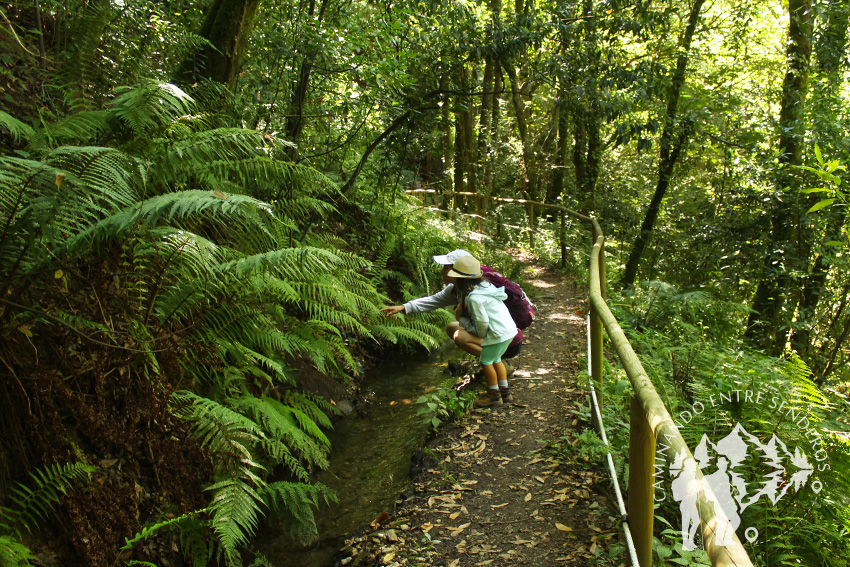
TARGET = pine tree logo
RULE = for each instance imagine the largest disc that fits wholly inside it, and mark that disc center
(772, 469)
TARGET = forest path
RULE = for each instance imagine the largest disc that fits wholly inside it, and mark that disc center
(487, 490)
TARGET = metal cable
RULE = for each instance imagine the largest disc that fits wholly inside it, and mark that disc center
(624, 517)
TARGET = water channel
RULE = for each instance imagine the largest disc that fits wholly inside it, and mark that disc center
(371, 452)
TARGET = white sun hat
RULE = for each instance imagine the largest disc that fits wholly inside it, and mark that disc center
(452, 257)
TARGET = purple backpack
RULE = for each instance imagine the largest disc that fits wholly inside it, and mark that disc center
(521, 309)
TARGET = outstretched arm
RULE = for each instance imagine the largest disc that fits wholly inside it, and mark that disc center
(392, 310)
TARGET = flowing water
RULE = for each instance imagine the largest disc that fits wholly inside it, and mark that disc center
(371, 451)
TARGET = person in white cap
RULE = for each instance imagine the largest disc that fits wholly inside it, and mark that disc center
(446, 297)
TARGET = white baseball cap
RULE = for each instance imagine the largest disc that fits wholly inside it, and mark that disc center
(452, 257)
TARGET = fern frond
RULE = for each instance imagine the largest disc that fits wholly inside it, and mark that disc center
(151, 106)
(220, 430)
(152, 529)
(171, 207)
(13, 553)
(300, 500)
(83, 128)
(236, 508)
(379, 264)
(32, 505)
(17, 129)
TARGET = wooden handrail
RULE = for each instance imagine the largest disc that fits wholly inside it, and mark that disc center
(659, 423)
(650, 420)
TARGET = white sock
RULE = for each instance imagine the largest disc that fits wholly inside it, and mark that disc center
(496, 387)
(503, 383)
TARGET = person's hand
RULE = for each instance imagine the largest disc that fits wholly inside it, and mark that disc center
(392, 310)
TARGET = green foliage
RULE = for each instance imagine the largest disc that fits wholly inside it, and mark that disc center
(669, 551)
(17, 129)
(585, 448)
(239, 445)
(206, 234)
(13, 553)
(445, 404)
(673, 334)
(31, 504)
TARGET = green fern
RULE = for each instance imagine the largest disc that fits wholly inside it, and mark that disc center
(281, 432)
(13, 553)
(17, 129)
(33, 505)
(206, 236)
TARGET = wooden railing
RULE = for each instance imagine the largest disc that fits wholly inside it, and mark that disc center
(649, 418)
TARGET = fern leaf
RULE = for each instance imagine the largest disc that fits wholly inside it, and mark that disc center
(33, 504)
(17, 129)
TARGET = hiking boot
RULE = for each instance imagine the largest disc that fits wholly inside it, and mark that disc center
(507, 397)
(489, 399)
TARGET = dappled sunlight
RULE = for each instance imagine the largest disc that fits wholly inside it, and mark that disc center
(540, 371)
(542, 284)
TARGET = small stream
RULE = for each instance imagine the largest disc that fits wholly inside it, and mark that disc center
(371, 451)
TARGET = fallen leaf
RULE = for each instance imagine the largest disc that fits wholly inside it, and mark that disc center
(528, 497)
(562, 527)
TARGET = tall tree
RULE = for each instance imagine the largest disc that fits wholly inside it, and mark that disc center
(301, 81)
(669, 150)
(830, 49)
(227, 25)
(765, 327)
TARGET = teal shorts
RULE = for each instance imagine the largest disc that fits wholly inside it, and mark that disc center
(491, 354)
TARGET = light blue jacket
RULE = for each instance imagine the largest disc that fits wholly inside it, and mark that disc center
(489, 317)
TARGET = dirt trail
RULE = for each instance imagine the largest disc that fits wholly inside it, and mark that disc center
(486, 491)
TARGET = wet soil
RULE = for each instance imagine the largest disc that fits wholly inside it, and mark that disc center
(489, 489)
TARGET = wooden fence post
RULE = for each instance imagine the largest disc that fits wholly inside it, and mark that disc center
(603, 277)
(596, 359)
(562, 236)
(641, 505)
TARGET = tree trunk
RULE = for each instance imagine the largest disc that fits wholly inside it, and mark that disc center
(227, 25)
(401, 119)
(556, 189)
(668, 153)
(765, 327)
(300, 86)
(587, 151)
(484, 133)
(529, 181)
(461, 151)
(587, 122)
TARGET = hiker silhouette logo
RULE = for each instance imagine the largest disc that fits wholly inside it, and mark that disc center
(744, 475)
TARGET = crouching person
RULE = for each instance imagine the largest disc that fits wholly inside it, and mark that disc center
(482, 312)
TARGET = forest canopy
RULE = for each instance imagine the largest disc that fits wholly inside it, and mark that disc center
(203, 206)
